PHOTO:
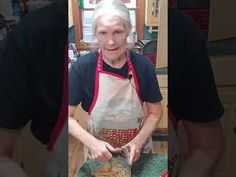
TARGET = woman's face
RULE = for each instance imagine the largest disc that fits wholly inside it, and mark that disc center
(111, 35)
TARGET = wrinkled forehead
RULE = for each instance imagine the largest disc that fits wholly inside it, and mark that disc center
(110, 21)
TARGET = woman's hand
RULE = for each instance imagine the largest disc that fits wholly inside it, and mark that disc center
(133, 150)
(154, 113)
(102, 151)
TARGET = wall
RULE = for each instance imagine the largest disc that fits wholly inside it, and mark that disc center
(149, 36)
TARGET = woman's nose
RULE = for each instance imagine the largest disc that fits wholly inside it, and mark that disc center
(111, 40)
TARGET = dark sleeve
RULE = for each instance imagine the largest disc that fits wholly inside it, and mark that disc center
(150, 91)
(203, 97)
(15, 86)
(75, 85)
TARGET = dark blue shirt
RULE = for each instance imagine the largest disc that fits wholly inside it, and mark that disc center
(82, 79)
(192, 93)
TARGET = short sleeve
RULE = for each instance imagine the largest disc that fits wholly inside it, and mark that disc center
(150, 91)
(75, 85)
(205, 102)
(192, 92)
(15, 84)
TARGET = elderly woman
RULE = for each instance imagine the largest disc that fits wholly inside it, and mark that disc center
(112, 84)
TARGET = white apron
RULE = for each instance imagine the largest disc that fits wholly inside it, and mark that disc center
(116, 113)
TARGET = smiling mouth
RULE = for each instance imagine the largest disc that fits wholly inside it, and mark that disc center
(112, 49)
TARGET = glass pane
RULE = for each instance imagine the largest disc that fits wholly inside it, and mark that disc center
(87, 26)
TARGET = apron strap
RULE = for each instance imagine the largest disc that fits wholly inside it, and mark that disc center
(64, 106)
(172, 119)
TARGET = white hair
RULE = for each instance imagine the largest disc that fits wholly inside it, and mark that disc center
(112, 7)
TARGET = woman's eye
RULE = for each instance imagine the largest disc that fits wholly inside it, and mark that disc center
(118, 32)
(102, 33)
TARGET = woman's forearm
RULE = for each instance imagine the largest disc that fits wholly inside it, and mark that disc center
(79, 133)
(154, 114)
(205, 146)
(99, 150)
(148, 128)
(199, 163)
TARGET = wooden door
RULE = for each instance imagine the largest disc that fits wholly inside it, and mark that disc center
(162, 36)
(163, 124)
(152, 13)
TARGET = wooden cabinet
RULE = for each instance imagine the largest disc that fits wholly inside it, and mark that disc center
(152, 11)
(160, 143)
(163, 124)
(161, 60)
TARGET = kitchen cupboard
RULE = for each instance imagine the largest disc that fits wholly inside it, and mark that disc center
(156, 17)
(160, 134)
(162, 125)
(152, 11)
(162, 45)
(162, 62)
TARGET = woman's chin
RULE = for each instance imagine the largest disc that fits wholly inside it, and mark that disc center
(112, 55)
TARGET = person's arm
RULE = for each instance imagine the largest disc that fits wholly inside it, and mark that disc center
(15, 99)
(8, 167)
(100, 150)
(205, 145)
(154, 114)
